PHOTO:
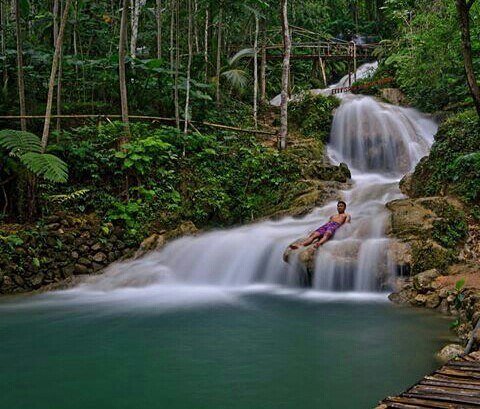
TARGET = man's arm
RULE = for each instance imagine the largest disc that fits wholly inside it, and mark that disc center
(349, 218)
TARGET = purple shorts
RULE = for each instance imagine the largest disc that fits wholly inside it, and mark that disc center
(330, 227)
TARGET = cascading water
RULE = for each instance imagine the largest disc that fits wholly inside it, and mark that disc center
(380, 142)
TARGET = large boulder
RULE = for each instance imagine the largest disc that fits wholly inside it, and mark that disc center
(393, 96)
(425, 281)
(449, 352)
(409, 219)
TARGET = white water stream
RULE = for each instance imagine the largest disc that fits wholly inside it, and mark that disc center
(378, 141)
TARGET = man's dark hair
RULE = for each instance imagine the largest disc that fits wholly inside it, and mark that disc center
(342, 202)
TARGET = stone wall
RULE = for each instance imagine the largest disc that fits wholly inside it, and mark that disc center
(55, 249)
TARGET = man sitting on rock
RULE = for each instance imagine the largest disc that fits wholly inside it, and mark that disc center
(326, 232)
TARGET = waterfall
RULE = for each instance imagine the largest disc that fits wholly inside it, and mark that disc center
(380, 142)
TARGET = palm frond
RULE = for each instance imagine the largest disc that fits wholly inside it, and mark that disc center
(236, 77)
(19, 142)
(48, 166)
(246, 52)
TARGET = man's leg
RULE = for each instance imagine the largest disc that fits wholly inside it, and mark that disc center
(314, 236)
(327, 236)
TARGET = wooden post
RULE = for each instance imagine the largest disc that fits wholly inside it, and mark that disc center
(324, 74)
(355, 62)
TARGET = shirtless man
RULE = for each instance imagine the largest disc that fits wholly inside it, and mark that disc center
(326, 232)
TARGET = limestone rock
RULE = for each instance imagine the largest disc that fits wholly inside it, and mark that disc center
(393, 96)
(449, 352)
(420, 300)
(99, 257)
(409, 219)
(432, 301)
(423, 281)
(81, 269)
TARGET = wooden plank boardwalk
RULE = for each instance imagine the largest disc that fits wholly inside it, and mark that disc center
(455, 385)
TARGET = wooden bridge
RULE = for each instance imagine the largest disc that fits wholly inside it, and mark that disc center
(455, 385)
(326, 50)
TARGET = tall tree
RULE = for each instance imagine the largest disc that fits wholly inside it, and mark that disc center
(137, 6)
(189, 66)
(205, 42)
(158, 18)
(463, 9)
(53, 74)
(121, 71)
(20, 80)
(255, 70)
(287, 45)
(263, 64)
(219, 51)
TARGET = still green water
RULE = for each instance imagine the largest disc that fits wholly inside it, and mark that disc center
(254, 351)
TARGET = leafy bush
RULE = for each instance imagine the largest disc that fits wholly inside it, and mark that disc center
(426, 55)
(453, 161)
(162, 176)
(313, 115)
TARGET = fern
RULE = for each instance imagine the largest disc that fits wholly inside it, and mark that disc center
(20, 142)
(48, 166)
(77, 194)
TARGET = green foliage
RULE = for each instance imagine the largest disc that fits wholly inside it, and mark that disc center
(465, 176)
(48, 166)
(426, 53)
(313, 115)
(210, 179)
(452, 165)
(451, 229)
(26, 147)
(19, 142)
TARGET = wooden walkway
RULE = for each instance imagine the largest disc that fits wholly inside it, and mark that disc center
(455, 385)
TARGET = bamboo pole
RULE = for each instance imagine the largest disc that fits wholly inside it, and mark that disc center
(142, 117)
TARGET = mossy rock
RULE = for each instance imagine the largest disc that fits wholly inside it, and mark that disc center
(427, 255)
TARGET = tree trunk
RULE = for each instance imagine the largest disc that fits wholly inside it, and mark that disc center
(255, 73)
(287, 44)
(263, 66)
(195, 26)
(3, 27)
(121, 72)
(158, 17)
(60, 67)
(177, 62)
(136, 9)
(189, 65)
(53, 74)
(205, 42)
(21, 84)
(55, 21)
(219, 51)
(463, 8)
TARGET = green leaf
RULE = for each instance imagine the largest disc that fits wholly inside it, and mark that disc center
(45, 165)
(20, 142)
(459, 284)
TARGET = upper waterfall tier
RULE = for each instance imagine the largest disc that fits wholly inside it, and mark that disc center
(373, 136)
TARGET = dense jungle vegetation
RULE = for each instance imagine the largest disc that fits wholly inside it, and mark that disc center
(193, 62)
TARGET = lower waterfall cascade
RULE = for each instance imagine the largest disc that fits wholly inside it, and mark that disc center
(379, 142)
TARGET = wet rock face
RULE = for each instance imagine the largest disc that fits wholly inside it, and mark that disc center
(62, 247)
(157, 241)
(393, 96)
(323, 171)
(449, 352)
